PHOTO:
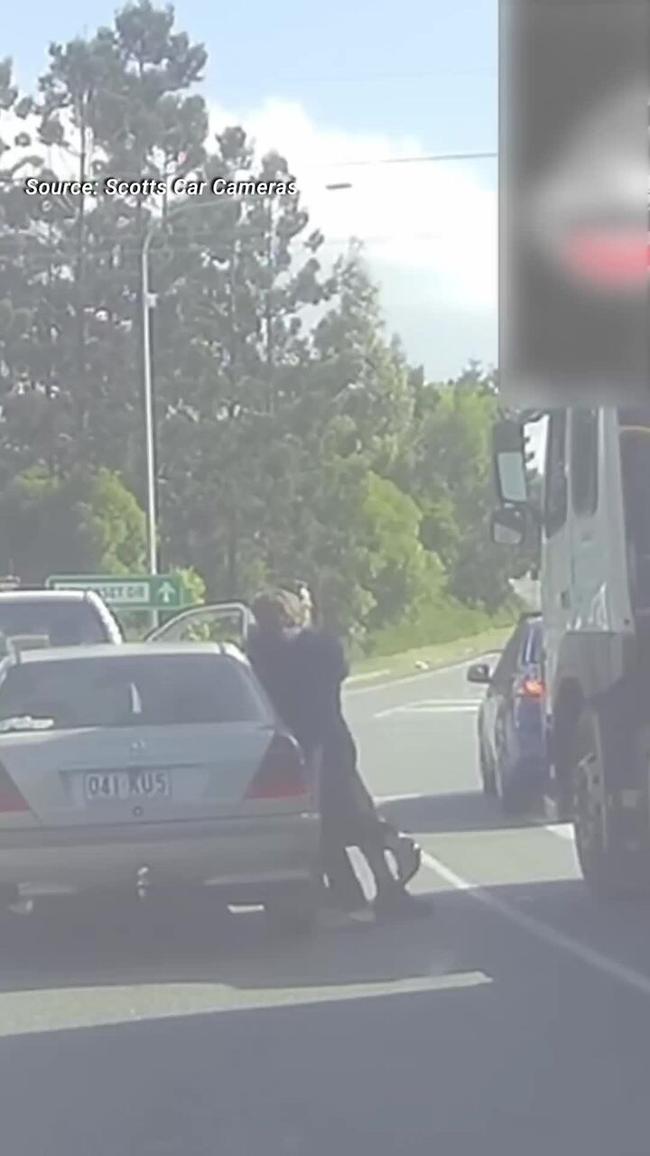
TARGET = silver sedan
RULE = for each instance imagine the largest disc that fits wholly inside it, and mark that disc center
(140, 767)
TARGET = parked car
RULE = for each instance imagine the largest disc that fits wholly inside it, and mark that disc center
(152, 767)
(511, 719)
(30, 618)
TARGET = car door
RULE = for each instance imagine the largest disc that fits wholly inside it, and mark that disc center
(500, 694)
(216, 622)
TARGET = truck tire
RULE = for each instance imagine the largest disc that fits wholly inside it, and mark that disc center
(614, 859)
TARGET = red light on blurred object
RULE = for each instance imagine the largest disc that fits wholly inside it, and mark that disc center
(613, 260)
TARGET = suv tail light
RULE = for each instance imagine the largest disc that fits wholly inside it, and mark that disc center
(11, 799)
(530, 688)
(282, 774)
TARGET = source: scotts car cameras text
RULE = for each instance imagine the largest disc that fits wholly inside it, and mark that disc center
(152, 187)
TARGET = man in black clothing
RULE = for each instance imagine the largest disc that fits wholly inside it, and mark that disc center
(303, 671)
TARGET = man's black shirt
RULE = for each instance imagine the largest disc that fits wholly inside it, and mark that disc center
(302, 671)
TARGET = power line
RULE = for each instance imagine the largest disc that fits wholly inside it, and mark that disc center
(431, 158)
(426, 158)
(381, 77)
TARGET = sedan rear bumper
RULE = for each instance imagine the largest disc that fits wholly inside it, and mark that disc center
(238, 856)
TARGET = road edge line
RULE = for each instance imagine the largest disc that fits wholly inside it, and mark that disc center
(369, 675)
(540, 930)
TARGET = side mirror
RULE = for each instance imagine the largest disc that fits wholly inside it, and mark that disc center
(479, 672)
(508, 526)
(509, 457)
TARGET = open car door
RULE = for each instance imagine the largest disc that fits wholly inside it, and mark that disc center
(218, 622)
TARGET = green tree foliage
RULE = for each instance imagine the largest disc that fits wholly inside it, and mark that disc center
(293, 436)
(82, 524)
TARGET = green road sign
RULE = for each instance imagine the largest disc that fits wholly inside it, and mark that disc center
(149, 592)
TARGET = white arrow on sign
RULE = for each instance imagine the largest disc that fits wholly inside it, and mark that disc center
(167, 592)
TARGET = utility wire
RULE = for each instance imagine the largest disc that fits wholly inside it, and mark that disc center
(424, 159)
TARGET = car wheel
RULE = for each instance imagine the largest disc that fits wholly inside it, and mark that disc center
(512, 796)
(487, 773)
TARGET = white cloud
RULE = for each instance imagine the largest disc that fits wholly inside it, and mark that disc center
(430, 230)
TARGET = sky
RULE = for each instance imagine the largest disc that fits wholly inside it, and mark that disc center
(354, 81)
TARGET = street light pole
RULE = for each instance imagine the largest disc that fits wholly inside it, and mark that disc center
(150, 432)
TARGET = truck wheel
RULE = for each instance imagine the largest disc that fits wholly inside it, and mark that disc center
(612, 865)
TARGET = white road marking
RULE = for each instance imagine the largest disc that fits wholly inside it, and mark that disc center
(432, 706)
(562, 830)
(24, 1012)
(543, 931)
(398, 798)
(460, 665)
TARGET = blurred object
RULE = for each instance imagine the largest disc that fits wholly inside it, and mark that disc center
(9, 583)
(574, 202)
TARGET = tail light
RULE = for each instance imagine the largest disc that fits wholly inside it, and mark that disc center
(530, 688)
(11, 799)
(282, 774)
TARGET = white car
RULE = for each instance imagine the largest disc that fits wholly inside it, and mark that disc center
(157, 767)
(33, 618)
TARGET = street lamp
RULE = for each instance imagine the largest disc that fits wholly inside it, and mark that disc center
(149, 300)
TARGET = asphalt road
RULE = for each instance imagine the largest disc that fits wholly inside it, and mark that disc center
(515, 1021)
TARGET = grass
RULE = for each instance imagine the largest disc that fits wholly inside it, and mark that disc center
(435, 655)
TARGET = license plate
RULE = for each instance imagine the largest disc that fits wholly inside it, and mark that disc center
(108, 785)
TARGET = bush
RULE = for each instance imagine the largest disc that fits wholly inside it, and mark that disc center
(443, 622)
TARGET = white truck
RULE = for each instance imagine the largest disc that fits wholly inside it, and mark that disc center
(594, 516)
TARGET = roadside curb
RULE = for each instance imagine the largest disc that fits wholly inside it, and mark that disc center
(370, 675)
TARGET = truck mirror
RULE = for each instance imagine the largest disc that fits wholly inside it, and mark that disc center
(508, 527)
(510, 463)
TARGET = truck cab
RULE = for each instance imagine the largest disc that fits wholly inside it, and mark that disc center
(594, 524)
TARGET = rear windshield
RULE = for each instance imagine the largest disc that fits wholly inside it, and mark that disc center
(55, 623)
(151, 691)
